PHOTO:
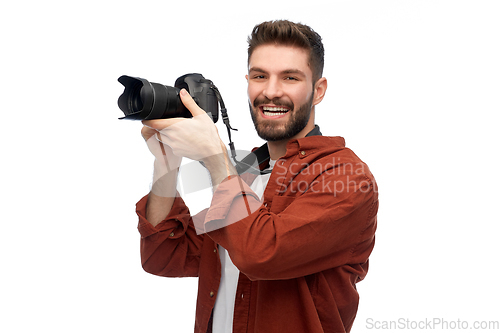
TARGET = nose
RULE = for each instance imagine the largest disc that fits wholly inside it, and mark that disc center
(273, 89)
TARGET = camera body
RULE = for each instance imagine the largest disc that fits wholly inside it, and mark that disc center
(144, 100)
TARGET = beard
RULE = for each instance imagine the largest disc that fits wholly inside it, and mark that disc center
(269, 130)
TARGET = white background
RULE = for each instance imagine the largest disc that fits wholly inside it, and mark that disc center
(413, 88)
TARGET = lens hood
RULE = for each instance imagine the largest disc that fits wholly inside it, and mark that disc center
(144, 100)
(137, 100)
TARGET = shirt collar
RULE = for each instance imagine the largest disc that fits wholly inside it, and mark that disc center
(260, 157)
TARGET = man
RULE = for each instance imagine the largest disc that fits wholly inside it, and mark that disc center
(282, 253)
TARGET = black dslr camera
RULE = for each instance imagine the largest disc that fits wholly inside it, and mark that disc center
(144, 100)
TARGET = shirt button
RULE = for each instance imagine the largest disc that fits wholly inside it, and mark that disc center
(212, 294)
(172, 234)
(303, 153)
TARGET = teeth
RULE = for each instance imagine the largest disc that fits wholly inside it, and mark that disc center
(274, 111)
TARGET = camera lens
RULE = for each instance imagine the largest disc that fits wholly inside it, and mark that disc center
(144, 100)
(134, 99)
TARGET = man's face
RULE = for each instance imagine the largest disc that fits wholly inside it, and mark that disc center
(280, 91)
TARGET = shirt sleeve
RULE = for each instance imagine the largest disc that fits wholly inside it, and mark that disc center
(173, 247)
(298, 234)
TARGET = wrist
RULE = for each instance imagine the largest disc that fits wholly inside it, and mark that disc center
(165, 171)
(164, 181)
(220, 167)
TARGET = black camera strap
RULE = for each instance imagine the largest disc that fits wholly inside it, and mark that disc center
(225, 119)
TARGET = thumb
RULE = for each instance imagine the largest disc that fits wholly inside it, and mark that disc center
(190, 104)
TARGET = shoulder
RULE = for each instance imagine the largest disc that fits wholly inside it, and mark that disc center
(329, 156)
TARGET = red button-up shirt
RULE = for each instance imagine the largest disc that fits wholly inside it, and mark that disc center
(300, 252)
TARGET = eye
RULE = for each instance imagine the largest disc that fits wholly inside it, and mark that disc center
(258, 76)
(291, 78)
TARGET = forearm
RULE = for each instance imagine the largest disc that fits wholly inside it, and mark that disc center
(220, 167)
(162, 194)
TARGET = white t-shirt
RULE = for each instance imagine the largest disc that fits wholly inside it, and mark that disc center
(226, 295)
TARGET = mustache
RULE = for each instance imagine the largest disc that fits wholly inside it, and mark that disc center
(275, 101)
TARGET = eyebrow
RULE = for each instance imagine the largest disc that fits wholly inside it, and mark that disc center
(256, 69)
(287, 71)
(294, 71)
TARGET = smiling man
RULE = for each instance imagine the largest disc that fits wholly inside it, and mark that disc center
(280, 250)
(282, 92)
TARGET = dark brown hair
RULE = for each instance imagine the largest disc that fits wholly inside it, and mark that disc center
(283, 32)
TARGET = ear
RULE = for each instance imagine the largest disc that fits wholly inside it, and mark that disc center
(319, 90)
(246, 77)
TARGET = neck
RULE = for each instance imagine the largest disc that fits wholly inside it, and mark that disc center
(277, 149)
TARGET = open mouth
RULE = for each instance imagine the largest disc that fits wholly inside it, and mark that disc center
(274, 111)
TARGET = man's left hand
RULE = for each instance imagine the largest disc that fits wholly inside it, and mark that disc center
(195, 138)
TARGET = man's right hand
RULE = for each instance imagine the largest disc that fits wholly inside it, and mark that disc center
(164, 187)
(162, 152)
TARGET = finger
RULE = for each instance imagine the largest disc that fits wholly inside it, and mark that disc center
(163, 138)
(147, 132)
(168, 139)
(190, 104)
(161, 124)
(162, 146)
